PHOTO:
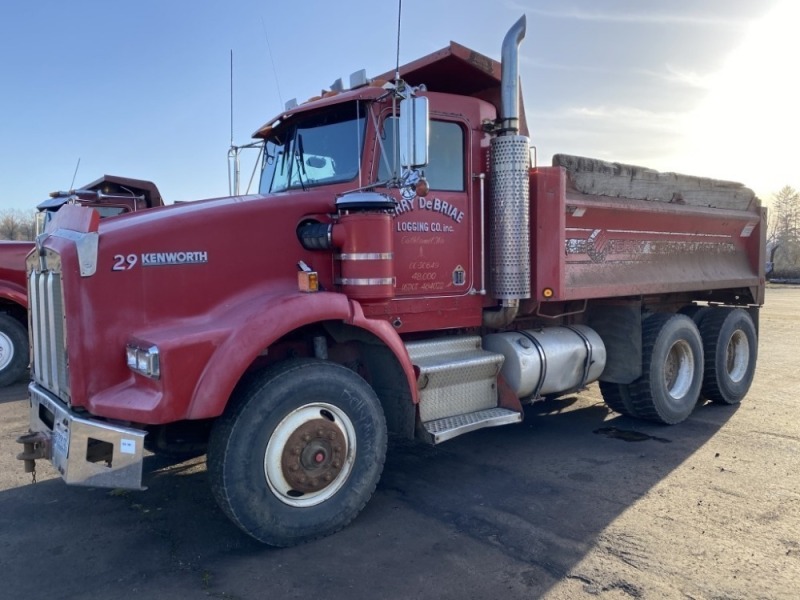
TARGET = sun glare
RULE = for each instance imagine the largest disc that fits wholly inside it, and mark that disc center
(747, 129)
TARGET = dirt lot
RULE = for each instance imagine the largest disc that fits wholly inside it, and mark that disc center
(577, 502)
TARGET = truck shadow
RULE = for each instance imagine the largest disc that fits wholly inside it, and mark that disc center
(512, 509)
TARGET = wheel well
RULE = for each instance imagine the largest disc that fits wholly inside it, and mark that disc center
(356, 349)
(14, 310)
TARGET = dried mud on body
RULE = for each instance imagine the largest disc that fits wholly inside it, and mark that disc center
(577, 502)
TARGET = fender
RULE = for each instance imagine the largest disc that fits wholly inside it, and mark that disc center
(252, 329)
(13, 279)
(14, 293)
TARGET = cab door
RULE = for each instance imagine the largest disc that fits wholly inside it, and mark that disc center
(432, 234)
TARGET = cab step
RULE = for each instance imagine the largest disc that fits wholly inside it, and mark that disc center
(445, 429)
(457, 386)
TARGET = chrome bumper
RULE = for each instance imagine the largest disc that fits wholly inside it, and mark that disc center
(84, 451)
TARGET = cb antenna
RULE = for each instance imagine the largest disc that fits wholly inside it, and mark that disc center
(394, 96)
(75, 174)
(272, 60)
(231, 97)
(233, 152)
(399, 14)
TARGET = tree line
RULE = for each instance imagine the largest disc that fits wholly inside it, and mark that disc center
(783, 235)
(18, 225)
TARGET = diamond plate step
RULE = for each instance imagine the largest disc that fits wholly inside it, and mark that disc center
(457, 386)
(442, 430)
(456, 376)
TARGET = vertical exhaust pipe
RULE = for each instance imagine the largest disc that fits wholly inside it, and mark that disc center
(509, 82)
(510, 214)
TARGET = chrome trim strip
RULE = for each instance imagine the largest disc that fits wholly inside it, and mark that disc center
(365, 256)
(365, 281)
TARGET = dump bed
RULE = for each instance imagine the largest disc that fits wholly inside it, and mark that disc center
(603, 229)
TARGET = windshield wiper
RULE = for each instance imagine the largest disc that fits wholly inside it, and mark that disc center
(300, 155)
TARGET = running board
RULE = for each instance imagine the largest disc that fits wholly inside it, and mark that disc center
(447, 428)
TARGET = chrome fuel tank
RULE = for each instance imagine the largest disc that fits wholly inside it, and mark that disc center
(549, 360)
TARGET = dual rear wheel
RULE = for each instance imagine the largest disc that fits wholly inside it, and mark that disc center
(682, 360)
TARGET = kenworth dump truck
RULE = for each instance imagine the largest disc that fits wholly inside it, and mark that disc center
(290, 331)
(109, 196)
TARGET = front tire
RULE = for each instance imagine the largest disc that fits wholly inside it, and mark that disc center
(731, 350)
(13, 350)
(299, 452)
(672, 369)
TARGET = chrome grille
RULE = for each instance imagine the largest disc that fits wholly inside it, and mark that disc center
(49, 356)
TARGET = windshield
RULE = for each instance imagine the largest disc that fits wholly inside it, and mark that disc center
(314, 149)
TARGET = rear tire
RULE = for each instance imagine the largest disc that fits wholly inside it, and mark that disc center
(731, 351)
(695, 312)
(617, 397)
(298, 453)
(672, 369)
(13, 350)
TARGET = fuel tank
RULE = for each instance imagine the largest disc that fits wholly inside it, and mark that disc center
(549, 360)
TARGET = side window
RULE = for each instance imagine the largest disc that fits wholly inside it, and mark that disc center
(446, 168)
(110, 211)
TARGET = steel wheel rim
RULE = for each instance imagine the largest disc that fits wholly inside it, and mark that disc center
(679, 369)
(6, 351)
(303, 467)
(737, 356)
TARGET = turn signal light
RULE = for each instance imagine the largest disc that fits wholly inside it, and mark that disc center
(547, 292)
(307, 281)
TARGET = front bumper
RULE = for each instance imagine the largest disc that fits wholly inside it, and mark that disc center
(85, 451)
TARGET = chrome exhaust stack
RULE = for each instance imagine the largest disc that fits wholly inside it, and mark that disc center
(510, 213)
(509, 81)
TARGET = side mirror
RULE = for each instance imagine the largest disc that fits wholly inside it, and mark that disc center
(414, 136)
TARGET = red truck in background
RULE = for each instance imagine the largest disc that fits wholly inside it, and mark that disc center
(290, 331)
(109, 196)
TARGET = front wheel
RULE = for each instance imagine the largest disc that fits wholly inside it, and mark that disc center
(299, 452)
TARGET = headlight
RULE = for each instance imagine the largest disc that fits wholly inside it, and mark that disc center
(143, 360)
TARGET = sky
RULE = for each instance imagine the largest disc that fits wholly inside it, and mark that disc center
(142, 88)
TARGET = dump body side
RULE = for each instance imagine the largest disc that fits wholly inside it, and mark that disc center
(598, 246)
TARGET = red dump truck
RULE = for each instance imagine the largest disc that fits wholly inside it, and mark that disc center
(109, 196)
(403, 269)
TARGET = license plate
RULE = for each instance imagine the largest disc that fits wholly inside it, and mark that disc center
(60, 444)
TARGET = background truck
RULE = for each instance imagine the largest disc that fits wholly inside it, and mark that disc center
(292, 330)
(109, 196)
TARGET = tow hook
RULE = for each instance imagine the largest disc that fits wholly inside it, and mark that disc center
(35, 445)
